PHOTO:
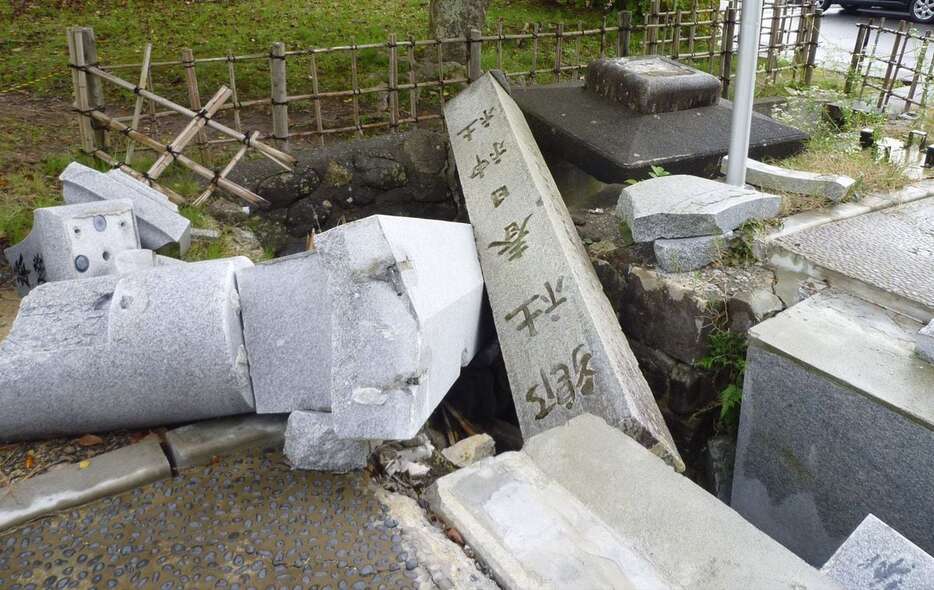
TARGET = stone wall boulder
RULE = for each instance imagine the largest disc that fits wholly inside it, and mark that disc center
(395, 174)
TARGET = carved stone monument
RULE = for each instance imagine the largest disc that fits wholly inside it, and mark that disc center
(561, 341)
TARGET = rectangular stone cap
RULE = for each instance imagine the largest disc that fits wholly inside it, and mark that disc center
(877, 556)
(652, 84)
(859, 344)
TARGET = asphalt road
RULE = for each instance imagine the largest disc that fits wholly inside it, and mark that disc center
(838, 35)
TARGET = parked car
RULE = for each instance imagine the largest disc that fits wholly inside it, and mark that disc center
(921, 11)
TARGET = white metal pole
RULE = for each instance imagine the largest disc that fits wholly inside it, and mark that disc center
(744, 89)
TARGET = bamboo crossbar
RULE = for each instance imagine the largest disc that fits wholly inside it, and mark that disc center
(271, 152)
(202, 171)
(174, 148)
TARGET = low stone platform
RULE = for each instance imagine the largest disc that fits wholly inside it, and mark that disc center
(614, 144)
(248, 521)
(584, 506)
(885, 256)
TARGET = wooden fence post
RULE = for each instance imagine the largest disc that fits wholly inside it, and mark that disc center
(559, 34)
(393, 82)
(652, 32)
(624, 34)
(95, 85)
(79, 78)
(775, 37)
(726, 52)
(279, 98)
(812, 50)
(138, 107)
(675, 49)
(475, 49)
(855, 59)
(194, 94)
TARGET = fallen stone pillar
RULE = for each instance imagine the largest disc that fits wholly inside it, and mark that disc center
(837, 422)
(799, 182)
(373, 325)
(685, 254)
(141, 259)
(562, 344)
(151, 347)
(158, 218)
(652, 84)
(924, 342)
(876, 556)
(583, 506)
(72, 242)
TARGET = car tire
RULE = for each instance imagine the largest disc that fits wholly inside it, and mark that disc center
(849, 9)
(922, 11)
(825, 5)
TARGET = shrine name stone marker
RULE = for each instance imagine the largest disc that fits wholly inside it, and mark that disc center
(562, 344)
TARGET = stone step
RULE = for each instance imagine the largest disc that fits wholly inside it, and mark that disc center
(837, 422)
(585, 506)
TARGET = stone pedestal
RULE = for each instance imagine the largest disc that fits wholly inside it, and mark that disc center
(652, 84)
(837, 422)
(561, 342)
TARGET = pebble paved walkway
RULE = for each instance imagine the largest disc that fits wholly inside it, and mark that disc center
(246, 522)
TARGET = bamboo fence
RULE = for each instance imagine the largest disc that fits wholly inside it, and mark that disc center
(353, 89)
(895, 69)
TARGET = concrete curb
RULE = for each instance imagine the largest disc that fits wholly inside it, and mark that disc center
(106, 475)
(198, 444)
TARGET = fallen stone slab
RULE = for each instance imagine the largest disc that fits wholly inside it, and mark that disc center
(311, 443)
(562, 345)
(799, 182)
(685, 254)
(158, 218)
(72, 242)
(877, 556)
(652, 84)
(470, 450)
(374, 324)
(837, 422)
(584, 506)
(924, 342)
(151, 347)
(682, 206)
(200, 443)
(72, 485)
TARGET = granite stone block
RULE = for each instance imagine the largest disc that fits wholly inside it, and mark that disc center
(837, 422)
(877, 557)
(287, 330)
(112, 352)
(311, 443)
(158, 218)
(832, 186)
(652, 83)
(682, 206)
(685, 254)
(141, 259)
(72, 242)
(563, 348)
(406, 296)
